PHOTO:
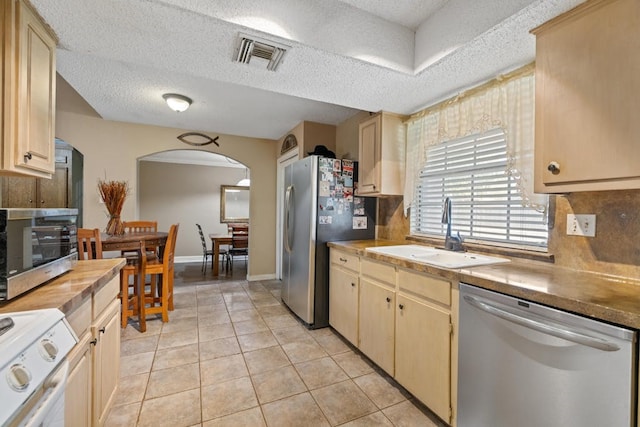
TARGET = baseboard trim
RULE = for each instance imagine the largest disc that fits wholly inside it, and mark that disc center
(261, 277)
(186, 259)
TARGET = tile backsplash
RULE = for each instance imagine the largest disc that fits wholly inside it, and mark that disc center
(615, 249)
(391, 223)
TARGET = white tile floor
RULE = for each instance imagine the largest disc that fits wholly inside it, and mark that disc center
(233, 355)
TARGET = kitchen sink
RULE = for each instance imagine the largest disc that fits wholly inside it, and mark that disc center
(437, 257)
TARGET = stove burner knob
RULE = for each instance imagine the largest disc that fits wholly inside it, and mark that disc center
(48, 350)
(18, 377)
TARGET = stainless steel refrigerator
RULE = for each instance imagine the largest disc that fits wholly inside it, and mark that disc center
(320, 206)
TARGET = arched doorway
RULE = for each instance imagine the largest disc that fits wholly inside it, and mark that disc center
(185, 186)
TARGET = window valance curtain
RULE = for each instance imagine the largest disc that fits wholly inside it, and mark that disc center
(506, 103)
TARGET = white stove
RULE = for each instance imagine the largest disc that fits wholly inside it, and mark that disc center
(33, 370)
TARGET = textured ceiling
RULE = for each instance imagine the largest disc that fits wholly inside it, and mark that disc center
(344, 56)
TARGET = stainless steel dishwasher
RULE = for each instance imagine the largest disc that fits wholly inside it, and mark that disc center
(524, 364)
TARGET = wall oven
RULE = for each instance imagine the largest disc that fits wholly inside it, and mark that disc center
(36, 245)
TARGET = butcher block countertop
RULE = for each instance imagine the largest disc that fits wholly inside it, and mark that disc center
(66, 292)
(609, 298)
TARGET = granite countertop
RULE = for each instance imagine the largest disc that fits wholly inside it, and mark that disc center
(66, 292)
(610, 298)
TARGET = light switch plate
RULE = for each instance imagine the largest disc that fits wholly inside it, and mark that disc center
(581, 225)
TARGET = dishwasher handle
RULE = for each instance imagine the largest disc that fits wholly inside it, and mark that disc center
(540, 326)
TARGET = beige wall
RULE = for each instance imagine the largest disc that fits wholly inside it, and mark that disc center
(193, 186)
(111, 150)
(308, 135)
(347, 135)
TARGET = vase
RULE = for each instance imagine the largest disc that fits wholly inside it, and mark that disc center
(115, 227)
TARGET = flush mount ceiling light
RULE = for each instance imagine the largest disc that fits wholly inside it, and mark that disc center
(178, 103)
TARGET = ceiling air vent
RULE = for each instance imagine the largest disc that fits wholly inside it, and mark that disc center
(259, 52)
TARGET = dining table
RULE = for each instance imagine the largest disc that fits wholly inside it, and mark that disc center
(130, 242)
(216, 241)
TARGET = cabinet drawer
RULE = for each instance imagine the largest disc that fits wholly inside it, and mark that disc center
(105, 295)
(425, 286)
(343, 259)
(381, 272)
(80, 318)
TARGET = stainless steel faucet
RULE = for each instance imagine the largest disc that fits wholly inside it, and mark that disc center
(451, 243)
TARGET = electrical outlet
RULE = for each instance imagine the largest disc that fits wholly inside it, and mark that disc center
(581, 225)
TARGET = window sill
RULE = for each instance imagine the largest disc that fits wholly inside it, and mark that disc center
(497, 250)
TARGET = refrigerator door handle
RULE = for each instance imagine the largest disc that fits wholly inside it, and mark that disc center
(288, 219)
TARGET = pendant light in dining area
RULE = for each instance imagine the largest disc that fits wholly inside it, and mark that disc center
(244, 182)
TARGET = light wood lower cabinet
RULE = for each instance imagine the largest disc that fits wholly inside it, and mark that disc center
(343, 302)
(95, 360)
(405, 323)
(106, 361)
(78, 392)
(377, 320)
(423, 353)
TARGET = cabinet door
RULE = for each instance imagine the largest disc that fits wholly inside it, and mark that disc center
(369, 155)
(587, 84)
(106, 361)
(54, 192)
(376, 325)
(36, 94)
(77, 410)
(19, 192)
(423, 353)
(343, 303)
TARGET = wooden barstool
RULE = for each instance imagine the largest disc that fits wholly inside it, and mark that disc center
(132, 304)
(156, 300)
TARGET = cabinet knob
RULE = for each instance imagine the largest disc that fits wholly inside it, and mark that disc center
(28, 156)
(353, 284)
(42, 202)
(94, 341)
(554, 168)
(401, 306)
(102, 330)
(388, 299)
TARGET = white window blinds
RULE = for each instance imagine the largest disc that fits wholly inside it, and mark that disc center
(487, 205)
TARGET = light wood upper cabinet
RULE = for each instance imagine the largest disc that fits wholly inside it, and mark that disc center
(28, 92)
(587, 103)
(381, 147)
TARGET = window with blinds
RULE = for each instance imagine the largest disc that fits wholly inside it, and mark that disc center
(487, 206)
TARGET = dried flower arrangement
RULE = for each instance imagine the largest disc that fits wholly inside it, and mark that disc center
(114, 194)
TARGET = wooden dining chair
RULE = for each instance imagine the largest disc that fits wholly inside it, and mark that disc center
(141, 227)
(208, 253)
(239, 242)
(87, 250)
